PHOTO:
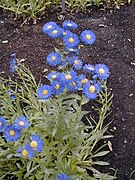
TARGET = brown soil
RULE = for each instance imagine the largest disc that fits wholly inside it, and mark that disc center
(115, 46)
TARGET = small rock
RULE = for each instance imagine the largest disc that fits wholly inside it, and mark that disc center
(4, 42)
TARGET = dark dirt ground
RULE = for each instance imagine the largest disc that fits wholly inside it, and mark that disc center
(115, 46)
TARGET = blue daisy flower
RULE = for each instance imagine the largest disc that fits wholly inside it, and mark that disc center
(83, 79)
(13, 65)
(2, 123)
(73, 86)
(62, 176)
(25, 151)
(53, 75)
(71, 40)
(11, 133)
(21, 122)
(88, 37)
(36, 143)
(102, 71)
(76, 62)
(58, 86)
(56, 32)
(54, 58)
(13, 55)
(91, 89)
(69, 76)
(65, 32)
(45, 92)
(68, 24)
(88, 68)
(48, 27)
(73, 51)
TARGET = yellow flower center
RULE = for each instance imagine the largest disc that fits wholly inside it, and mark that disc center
(57, 87)
(64, 33)
(54, 76)
(88, 37)
(71, 40)
(49, 27)
(101, 71)
(12, 133)
(73, 84)
(76, 62)
(25, 152)
(55, 31)
(33, 144)
(53, 58)
(0, 123)
(68, 77)
(21, 123)
(45, 92)
(92, 89)
(69, 24)
(84, 81)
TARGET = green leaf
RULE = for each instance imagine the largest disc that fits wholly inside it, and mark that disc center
(101, 163)
(103, 153)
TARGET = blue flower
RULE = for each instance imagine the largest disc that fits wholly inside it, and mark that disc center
(77, 63)
(102, 71)
(71, 40)
(53, 75)
(67, 24)
(69, 76)
(65, 32)
(83, 79)
(58, 86)
(88, 37)
(54, 59)
(45, 92)
(12, 96)
(48, 27)
(73, 51)
(73, 86)
(2, 123)
(36, 143)
(13, 55)
(21, 122)
(56, 32)
(62, 176)
(88, 68)
(13, 65)
(91, 89)
(25, 151)
(11, 133)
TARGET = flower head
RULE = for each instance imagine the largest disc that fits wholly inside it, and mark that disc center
(13, 65)
(53, 75)
(11, 133)
(36, 143)
(2, 123)
(45, 92)
(69, 76)
(76, 62)
(73, 86)
(58, 86)
(83, 79)
(88, 68)
(73, 51)
(48, 27)
(21, 122)
(25, 151)
(91, 89)
(62, 176)
(68, 24)
(88, 37)
(71, 40)
(54, 59)
(56, 32)
(102, 71)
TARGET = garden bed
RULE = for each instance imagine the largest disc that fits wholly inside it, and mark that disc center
(114, 46)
